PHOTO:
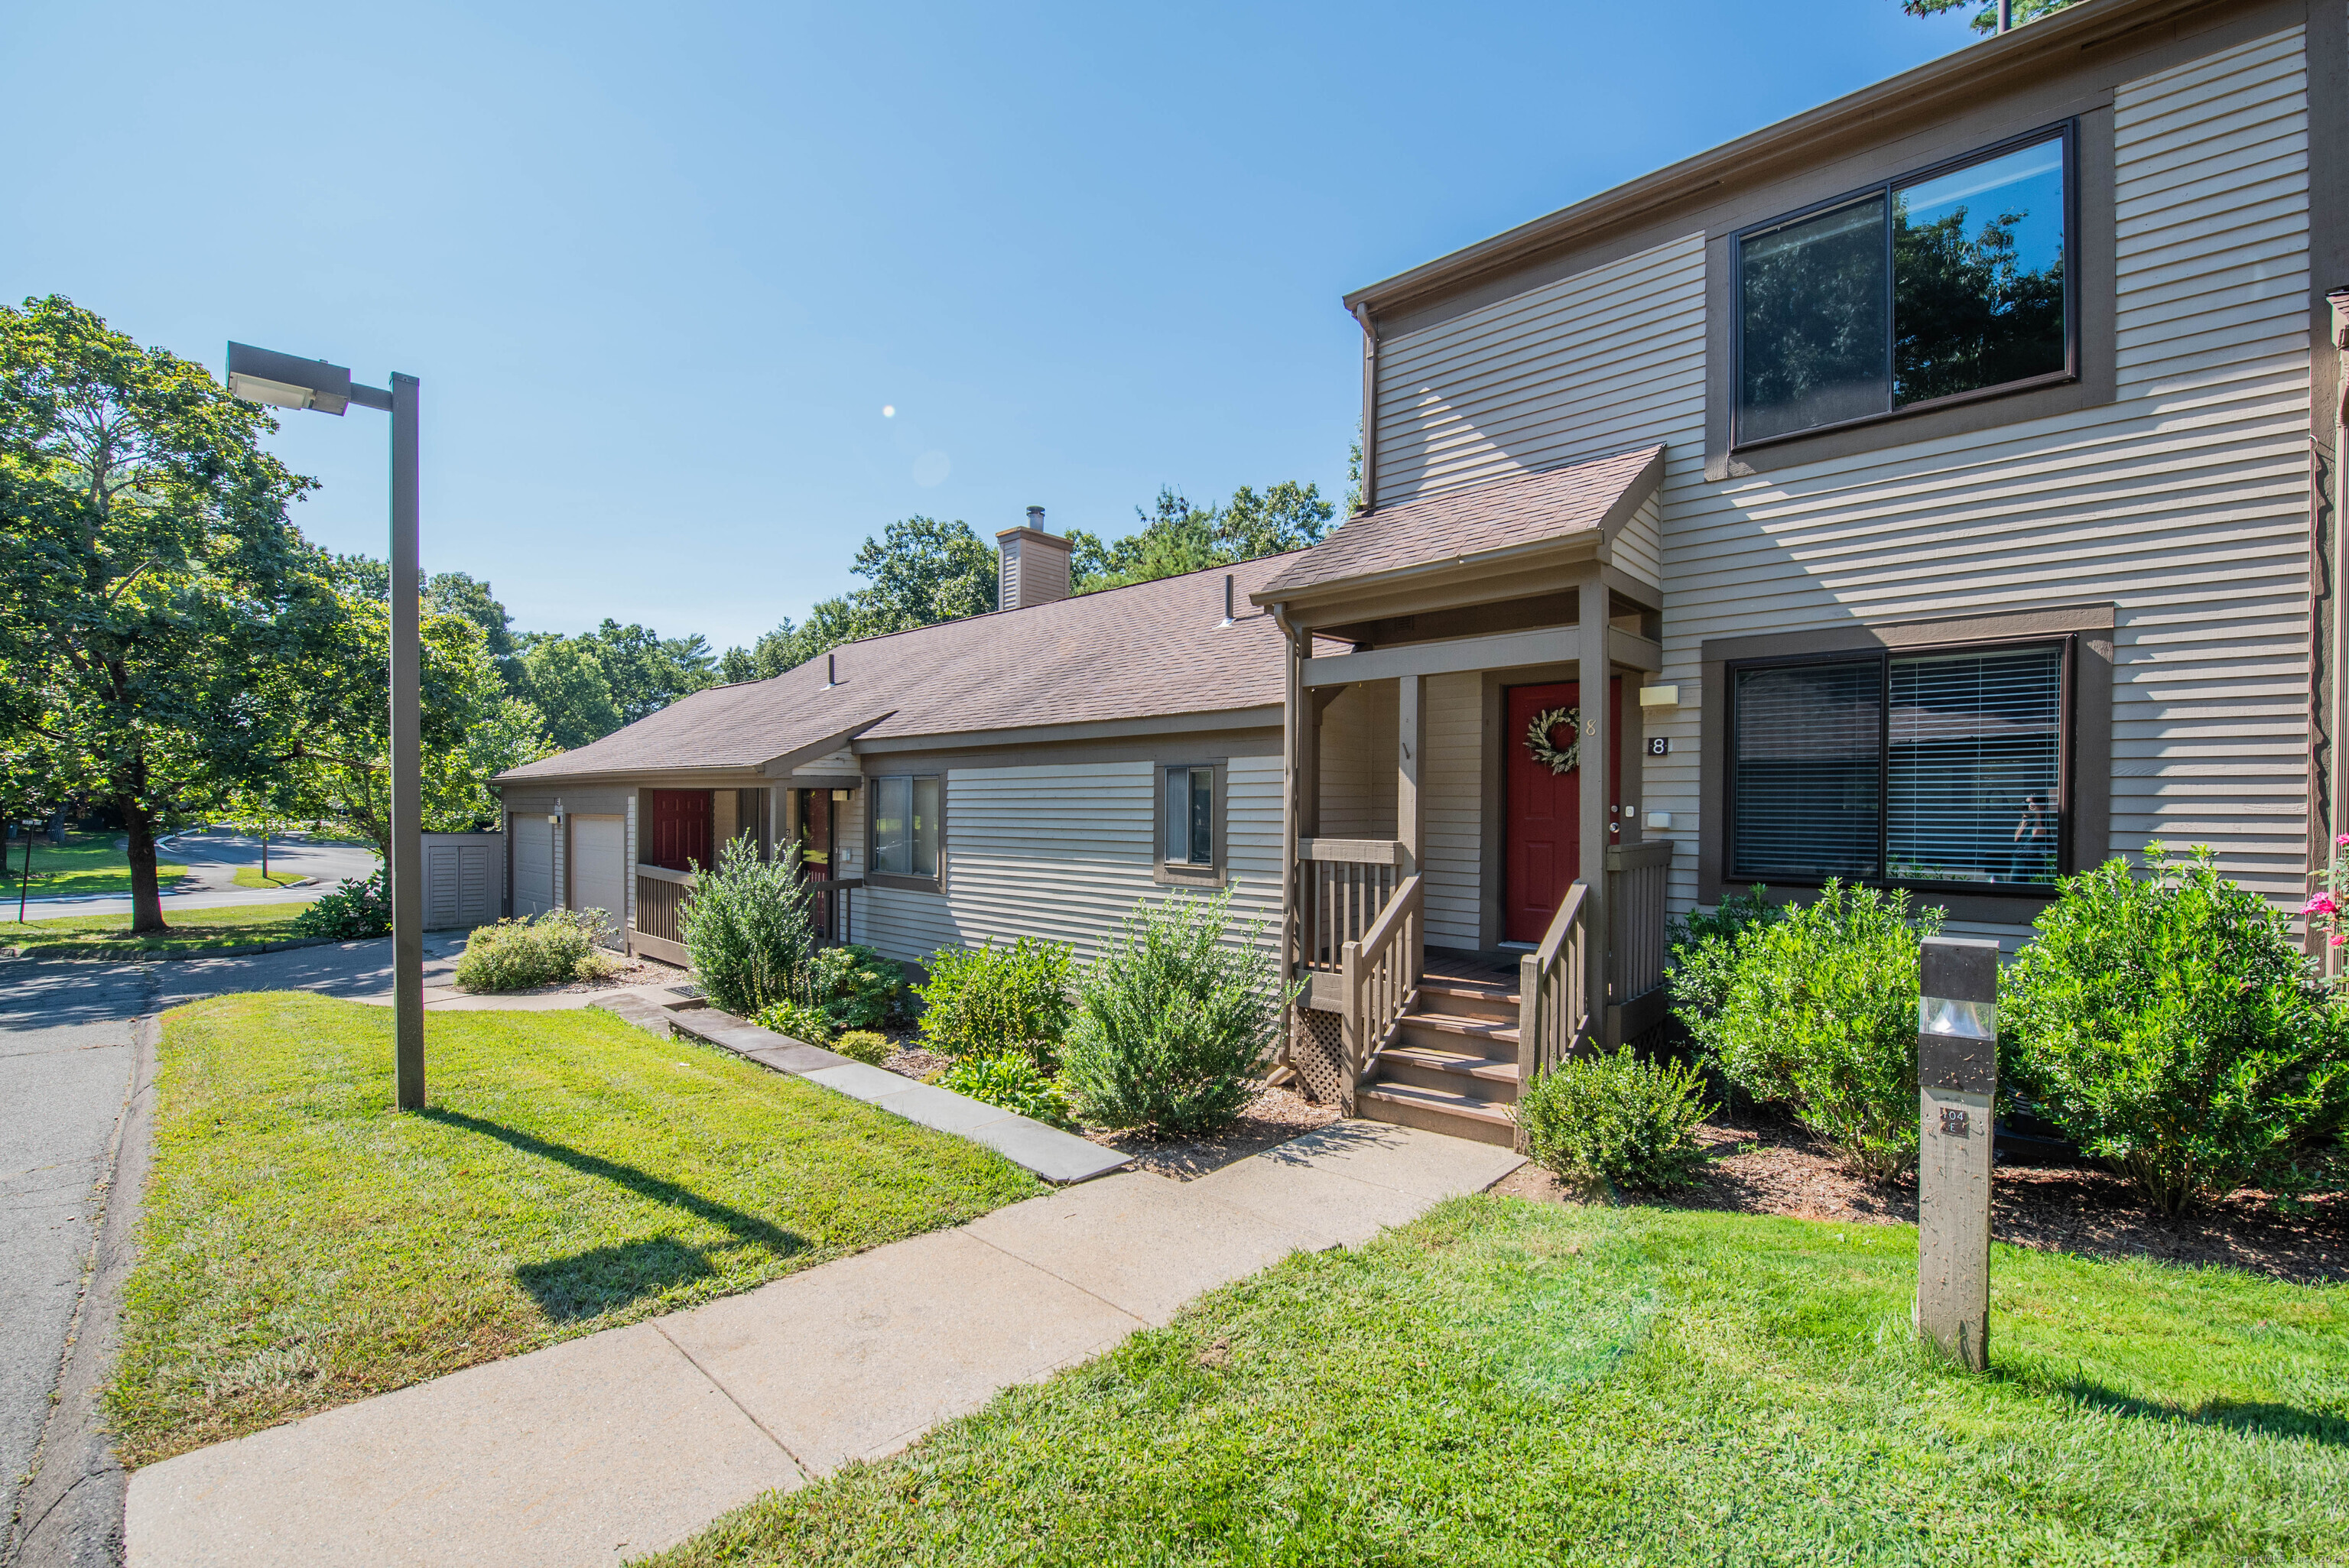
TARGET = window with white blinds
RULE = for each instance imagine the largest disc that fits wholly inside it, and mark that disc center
(1925, 767)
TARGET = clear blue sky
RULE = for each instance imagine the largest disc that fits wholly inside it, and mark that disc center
(661, 268)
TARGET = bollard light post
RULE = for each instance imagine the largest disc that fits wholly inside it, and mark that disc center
(1957, 1086)
(287, 381)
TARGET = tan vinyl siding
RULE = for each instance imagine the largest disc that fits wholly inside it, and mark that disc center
(1358, 763)
(2184, 502)
(1640, 543)
(1451, 786)
(1064, 851)
(1591, 364)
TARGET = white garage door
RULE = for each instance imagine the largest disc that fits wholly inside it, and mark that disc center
(533, 856)
(599, 869)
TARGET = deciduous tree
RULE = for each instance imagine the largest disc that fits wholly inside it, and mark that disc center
(151, 586)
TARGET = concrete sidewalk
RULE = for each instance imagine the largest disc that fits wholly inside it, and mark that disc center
(629, 1440)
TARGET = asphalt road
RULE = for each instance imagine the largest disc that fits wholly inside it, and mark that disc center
(65, 1074)
(212, 861)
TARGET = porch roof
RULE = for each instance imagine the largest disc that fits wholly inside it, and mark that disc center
(1596, 495)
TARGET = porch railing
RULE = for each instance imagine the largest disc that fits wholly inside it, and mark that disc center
(1342, 887)
(1380, 970)
(1636, 874)
(1554, 1005)
(660, 892)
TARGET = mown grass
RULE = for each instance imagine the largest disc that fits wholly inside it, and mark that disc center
(1511, 1383)
(84, 863)
(187, 931)
(304, 1245)
(252, 877)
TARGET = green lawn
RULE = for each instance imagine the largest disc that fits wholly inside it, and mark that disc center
(304, 1246)
(1511, 1383)
(189, 931)
(85, 863)
(250, 876)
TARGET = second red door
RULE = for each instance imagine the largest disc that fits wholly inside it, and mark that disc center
(1541, 838)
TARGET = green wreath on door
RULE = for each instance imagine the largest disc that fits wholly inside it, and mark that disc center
(1537, 741)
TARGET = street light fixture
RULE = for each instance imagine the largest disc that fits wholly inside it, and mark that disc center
(285, 381)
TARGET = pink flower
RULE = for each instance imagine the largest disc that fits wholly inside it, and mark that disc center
(2320, 905)
(2339, 940)
(2342, 842)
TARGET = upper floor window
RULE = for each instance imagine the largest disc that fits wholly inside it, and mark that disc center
(1942, 286)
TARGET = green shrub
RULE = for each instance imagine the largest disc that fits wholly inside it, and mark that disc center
(856, 987)
(863, 1046)
(1173, 1025)
(1704, 955)
(2170, 1027)
(1616, 1118)
(1013, 1080)
(554, 949)
(984, 1001)
(747, 929)
(1820, 1012)
(360, 907)
(797, 1019)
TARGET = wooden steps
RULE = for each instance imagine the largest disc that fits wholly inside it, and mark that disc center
(1452, 1068)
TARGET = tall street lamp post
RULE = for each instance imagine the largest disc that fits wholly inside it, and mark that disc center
(285, 381)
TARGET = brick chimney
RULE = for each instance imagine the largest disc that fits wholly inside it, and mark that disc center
(1031, 566)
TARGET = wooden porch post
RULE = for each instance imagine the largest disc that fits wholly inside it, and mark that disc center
(1297, 734)
(1411, 705)
(1592, 669)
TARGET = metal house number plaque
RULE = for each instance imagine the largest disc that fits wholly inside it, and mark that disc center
(1955, 1123)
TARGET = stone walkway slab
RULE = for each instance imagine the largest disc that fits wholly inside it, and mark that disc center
(1058, 1157)
(625, 1441)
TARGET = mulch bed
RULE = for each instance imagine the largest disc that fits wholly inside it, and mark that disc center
(1764, 1165)
(624, 971)
(1273, 1118)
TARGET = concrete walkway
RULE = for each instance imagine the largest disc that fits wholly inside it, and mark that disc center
(629, 1440)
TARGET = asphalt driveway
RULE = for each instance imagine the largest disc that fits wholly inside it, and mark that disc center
(212, 861)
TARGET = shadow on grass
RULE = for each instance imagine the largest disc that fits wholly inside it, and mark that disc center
(2257, 1417)
(602, 1278)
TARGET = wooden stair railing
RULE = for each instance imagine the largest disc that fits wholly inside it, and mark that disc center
(1381, 978)
(1553, 984)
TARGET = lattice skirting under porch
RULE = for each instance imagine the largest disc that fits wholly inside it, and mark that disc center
(1316, 1049)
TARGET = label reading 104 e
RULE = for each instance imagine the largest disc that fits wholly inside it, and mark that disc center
(1955, 1122)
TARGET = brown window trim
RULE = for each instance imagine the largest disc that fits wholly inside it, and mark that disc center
(1184, 873)
(2088, 382)
(2087, 759)
(2068, 130)
(901, 882)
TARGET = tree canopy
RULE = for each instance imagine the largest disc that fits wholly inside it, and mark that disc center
(1986, 17)
(151, 589)
(1177, 536)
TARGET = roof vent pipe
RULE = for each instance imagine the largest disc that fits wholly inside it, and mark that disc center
(831, 671)
(1227, 598)
(1031, 565)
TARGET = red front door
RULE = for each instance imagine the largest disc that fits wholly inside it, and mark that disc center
(815, 851)
(679, 839)
(1541, 843)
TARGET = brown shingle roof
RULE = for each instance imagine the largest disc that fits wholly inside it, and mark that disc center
(1481, 519)
(1152, 649)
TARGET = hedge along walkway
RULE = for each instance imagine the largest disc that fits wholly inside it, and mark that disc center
(629, 1440)
(305, 1246)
